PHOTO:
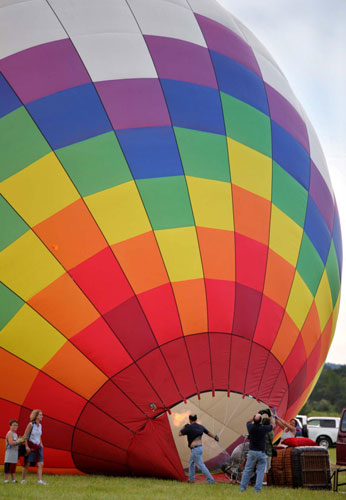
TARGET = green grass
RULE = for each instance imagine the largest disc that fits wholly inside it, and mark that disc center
(332, 456)
(107, 488)
(111, 488)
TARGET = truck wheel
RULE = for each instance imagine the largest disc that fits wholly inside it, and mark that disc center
(324, 441)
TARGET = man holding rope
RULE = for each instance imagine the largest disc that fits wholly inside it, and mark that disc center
(194, 433)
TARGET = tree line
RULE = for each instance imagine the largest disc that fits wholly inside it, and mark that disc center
(329, 394)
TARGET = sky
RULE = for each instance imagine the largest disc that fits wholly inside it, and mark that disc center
(308, 41)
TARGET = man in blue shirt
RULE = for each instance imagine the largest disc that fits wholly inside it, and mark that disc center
(194, 433)
(256, 455)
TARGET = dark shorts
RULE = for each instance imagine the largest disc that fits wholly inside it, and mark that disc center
(9, 468)
(34, 457)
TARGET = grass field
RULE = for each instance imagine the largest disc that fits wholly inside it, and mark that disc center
(110, 488)
(105, 488)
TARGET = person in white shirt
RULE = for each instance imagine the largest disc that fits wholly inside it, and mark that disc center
(34, 446)
(289, 429)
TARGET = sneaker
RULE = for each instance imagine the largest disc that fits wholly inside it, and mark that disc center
(14, 480)
(42, 482)
(23, 481)
(264, 483)
(6, 481)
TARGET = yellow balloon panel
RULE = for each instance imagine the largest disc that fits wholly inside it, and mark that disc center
(180, 251)
(211, 203)
(250, 169)
(300, 301)
(285, 236)
(31, 338)
(40, 190)
(119, 212)
(27, 266)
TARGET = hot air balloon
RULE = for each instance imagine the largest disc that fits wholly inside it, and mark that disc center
(170, 241)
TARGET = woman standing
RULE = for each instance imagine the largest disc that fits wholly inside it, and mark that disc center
(34, 446)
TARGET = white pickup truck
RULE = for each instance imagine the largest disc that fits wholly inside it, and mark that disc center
(323, 430)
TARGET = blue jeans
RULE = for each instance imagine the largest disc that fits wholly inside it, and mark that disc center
(196, 459)
(254, 458)
(34, 457)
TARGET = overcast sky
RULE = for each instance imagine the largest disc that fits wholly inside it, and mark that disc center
(307, 38)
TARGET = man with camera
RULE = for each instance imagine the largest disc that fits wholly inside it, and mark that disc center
(256, 456)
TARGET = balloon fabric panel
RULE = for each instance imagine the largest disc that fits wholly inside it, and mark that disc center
(245, 85)
(134, 104)
(333, 273)
(71, 235)
(44, 70)
(190, 296)
(216, 247)
(9, 101)
(288, 195)
(182, 61)
(224, 41)
(79, 159)
(310, 332)
(247, 125)
(203, 154)
(166, 326)
(14, 226)
(170, 241)
(14, 159)
(321, 196)
(285, 115)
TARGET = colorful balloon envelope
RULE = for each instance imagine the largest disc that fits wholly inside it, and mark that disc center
(170, 241)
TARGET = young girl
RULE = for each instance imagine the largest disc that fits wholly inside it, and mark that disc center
(11, 453)
(34, 446)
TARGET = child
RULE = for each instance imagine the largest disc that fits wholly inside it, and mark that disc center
(11, 453)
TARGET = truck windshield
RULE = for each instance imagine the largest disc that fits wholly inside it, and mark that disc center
(343, 423)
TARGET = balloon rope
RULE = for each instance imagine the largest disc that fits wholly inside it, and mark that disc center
(213, 416)
(231, 415)
(225, 413)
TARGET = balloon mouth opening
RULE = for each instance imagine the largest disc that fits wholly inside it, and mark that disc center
(220, 412)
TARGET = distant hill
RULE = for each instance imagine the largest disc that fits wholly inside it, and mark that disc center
(329, 394)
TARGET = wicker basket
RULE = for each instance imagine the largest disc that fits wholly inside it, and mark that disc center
(310, 466)
(280, 473)
(301, 467)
